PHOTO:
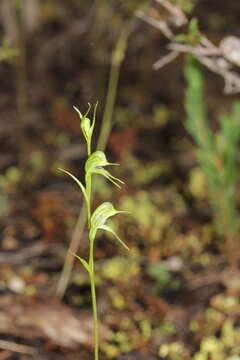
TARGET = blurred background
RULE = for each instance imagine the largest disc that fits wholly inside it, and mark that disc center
(165, 75)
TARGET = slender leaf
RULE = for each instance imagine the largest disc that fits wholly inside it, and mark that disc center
(82, 261)
(77, 181)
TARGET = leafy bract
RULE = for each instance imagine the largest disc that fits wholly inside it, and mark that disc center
(77, 181)
(82, 261)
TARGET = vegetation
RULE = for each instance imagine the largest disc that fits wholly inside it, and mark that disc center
(216, 152)
(95, 164)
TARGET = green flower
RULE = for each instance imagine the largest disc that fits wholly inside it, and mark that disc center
(95, 164)
(99, 219)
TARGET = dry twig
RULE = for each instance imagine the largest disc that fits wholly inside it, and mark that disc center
(218, 59)
(17, 348)
(158, 24)
(178, 15)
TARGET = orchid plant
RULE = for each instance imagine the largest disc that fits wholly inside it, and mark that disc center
(95, 164)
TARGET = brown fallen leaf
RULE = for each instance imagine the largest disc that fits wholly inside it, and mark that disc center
(31, 317)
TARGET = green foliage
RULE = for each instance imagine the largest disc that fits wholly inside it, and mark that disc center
(163, 276)
(160, 273)
(96, 220)
(193, 35)
(114, 269)
(222, 347)
(186, 5)
(7, 52)
(173, 351)
(225, 347)
(216, 152)
(8, 180)
(152, 213)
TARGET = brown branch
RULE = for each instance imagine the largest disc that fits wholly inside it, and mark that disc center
(165, 60)
(219, 60)
(17, 348)
(179, 16)
(158, 24)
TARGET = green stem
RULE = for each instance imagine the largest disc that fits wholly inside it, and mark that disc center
(94, 301)
(88, 203)
(89, 148)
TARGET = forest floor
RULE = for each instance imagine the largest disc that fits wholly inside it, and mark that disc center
(175, 295)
